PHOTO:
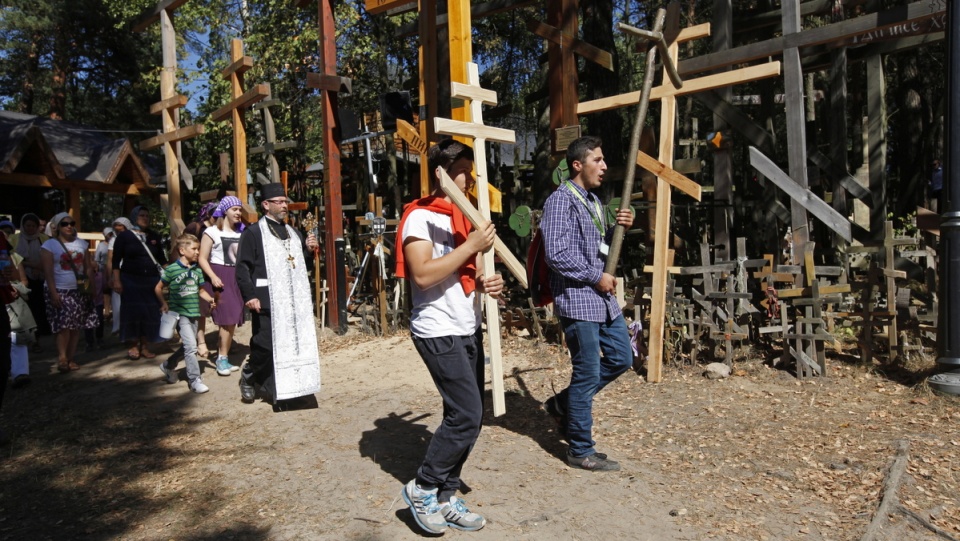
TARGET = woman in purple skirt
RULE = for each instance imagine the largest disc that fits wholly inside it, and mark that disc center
(218, 259)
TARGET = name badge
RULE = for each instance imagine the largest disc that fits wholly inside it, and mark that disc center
(604, 248)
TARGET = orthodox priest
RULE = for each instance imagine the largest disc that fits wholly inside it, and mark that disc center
(272, 274)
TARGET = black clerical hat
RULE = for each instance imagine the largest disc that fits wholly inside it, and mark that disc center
(271, 191)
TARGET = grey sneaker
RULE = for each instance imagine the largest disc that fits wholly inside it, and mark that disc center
(458, 516)
(594, 462)
(423, 504)
(169, 374)
(198, 386)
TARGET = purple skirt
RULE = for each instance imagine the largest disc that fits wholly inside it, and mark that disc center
(229, 310)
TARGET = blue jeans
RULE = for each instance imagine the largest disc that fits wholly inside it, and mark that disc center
(188, 336)
(591, 373)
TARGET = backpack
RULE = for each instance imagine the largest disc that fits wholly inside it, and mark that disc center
(538, 273)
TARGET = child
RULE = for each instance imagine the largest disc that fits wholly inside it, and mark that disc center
(184, 279)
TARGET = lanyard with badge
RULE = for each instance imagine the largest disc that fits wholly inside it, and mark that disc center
(595, 216)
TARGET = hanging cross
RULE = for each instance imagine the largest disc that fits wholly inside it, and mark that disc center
(169, 109)
(667, 94)
(480, 134)
(240, 100)
(271, 146)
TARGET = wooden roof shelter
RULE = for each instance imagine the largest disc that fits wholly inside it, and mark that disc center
(38, 154)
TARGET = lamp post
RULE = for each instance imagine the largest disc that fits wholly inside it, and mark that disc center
(948, 318)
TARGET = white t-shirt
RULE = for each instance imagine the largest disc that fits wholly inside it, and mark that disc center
(444, 309)
(225, 245)
(63, 273)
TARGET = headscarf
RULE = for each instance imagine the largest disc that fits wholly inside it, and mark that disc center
(26, 246)
(134, 214)
(124, 222)
(54, 223)
(107, 231)
(206, 211)
(226, 204)
(8, 223)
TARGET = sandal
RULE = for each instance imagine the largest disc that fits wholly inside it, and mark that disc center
(73, 365)
(63, 367)
(146, 354)
(133, 354)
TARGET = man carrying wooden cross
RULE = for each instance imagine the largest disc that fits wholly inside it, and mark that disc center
(440, 258)
(575, 241)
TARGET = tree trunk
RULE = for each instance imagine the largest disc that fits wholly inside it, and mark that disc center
(61, 72)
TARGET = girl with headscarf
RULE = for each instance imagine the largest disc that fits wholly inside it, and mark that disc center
(196, 228)
(66, 262)
(218, 259)
(137, 256)
(27, 243)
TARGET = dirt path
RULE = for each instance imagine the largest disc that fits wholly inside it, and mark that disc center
(111, 452)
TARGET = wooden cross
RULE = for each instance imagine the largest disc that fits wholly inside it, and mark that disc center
(480, 134)
(240, 100)
(271, 146)
(331, 85)
(168, 109)
(667, 94)
(560, 31)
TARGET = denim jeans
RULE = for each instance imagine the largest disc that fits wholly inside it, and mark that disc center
(456, 366)
(188, 336)
(591, 373)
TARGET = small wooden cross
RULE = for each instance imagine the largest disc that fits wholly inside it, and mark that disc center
(476, 130)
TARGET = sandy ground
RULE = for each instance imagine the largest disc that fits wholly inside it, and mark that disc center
(112, 452)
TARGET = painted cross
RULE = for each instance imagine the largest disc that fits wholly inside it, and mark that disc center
(480, 134)
(271, 146)
(667, 94)
(168, 109)
(240, 101)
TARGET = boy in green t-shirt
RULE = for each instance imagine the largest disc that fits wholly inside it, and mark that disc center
(184, 279)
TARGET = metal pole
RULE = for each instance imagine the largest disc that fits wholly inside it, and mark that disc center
(948, 317)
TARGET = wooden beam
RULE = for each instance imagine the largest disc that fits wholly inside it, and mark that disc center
(594, 54)
(152, 15)
(517, 269)
(845, 179)
(175, 102)
(915, 12)
(668, 175)
(693, 86)
(447, 126)
(332, 83)
(376, 7)
(738, 120)
(831, 218)
(238, 66)
(172, 137)
(477, 11)
(248, 98)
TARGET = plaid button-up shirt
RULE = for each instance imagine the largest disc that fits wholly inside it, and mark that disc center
(572, 251)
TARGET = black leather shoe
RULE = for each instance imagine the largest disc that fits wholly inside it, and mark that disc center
(248, 393)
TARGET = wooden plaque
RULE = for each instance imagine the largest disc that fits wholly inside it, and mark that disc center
(562, 137)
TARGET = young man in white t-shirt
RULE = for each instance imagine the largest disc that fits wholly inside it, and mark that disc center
(439, 257)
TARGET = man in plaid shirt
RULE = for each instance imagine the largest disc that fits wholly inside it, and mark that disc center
(575, 246)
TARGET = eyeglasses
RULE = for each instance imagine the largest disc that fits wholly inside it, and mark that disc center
(68, 224)
(278, 201)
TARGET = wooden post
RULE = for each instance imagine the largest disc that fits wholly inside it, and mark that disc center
(270, 145)
(796, 127)
(428, 83)
(475, 129)
(876, 142)
(722, 160)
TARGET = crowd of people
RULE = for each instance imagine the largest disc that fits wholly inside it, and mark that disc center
(219, 267)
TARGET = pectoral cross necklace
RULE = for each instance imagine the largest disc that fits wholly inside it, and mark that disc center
(286, 246)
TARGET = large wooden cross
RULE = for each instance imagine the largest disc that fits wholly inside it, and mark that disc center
(667, 93)
(331, 85)
(477, 97)
(234, 111)
(169, 109)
